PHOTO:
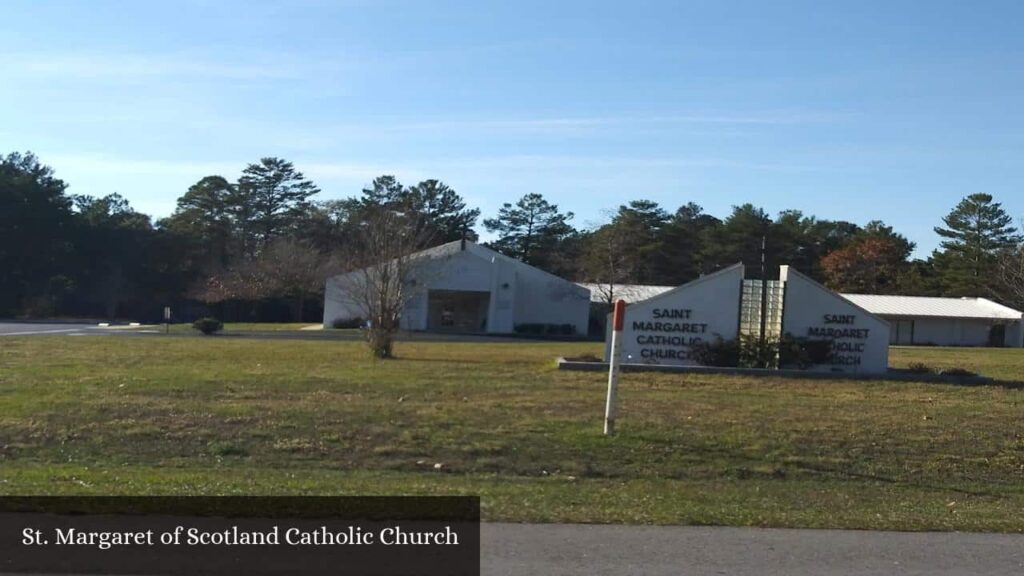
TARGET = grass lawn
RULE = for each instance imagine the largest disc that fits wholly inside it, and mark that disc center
(246, 326)
(152, 415)
(999, 363)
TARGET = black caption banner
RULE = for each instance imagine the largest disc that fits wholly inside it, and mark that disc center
(423, 536)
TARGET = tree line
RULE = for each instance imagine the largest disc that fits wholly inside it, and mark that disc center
(260, 246)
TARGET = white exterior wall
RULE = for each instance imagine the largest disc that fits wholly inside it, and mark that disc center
(501, 314)
(338, 305)
(460, 271)
(546, 299)
(958, 331)
(415, 312)
(950, 331)
(519, 293)
(810, 307)
(710, 307)
(973, 332)
(1015, 334)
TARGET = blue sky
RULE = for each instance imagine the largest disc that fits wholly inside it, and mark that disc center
(845, 110)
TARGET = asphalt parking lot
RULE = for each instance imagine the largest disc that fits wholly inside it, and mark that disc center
(14, 328)
(575, 549)
(43, 328)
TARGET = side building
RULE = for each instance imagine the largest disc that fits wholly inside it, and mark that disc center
(918, 320)
(466, 288)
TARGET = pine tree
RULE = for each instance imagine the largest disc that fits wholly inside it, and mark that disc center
(385, 190)
(440, 213)
(443, 211)
(642, 223)
(271, 195)
(975, 232)
(686, 239)
(35, 234)
(739, 239)
(203, 218)
(531, 230)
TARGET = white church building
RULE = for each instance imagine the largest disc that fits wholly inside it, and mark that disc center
(467, 288)
(463, 287)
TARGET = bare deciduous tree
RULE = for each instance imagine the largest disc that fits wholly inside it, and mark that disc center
(1009, 281)
(295, 270)
(236, 283)
(287, 268)
(609, 259)
(385, 270)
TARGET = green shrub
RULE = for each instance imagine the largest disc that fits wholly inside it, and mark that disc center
(536, 328)
(749, 351)
(717, 352)
(758, 352)
(208, 326)
(347, 323)
(802, 353)
(526, 328)
(219, 448)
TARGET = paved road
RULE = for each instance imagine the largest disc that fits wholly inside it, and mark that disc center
(570, 550)
(697, 551)
(9, 328)
(36, 328)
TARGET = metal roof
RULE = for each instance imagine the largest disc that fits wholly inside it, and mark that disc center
(882, 305)
(921, 306)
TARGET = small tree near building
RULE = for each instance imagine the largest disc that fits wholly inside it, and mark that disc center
(288, 268)
(1010, 277)
(295, 270)
(244, 282)
(608, 260)
(385, 269)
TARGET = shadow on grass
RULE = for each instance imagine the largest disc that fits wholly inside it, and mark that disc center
(778, 471)
(894, 481)
(1007, 384)
(403, 359)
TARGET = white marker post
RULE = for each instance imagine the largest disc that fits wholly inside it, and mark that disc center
(167, 319)
(618, 319)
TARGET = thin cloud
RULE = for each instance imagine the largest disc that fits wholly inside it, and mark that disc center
(577, 123)
(111, 165)
(600, 163)
(317, 171)
(111, 66)
(321, 171)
